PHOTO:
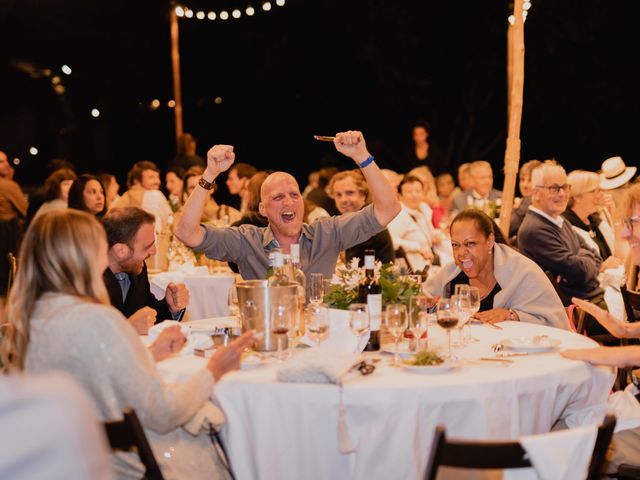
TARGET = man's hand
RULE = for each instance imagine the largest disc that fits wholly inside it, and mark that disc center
(170, 341)
(177, 297)
(219, 159)
(228, 358)
(352, 144)
(143, 319)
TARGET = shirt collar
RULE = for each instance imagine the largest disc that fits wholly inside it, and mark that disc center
(557, 221)
(269, 240)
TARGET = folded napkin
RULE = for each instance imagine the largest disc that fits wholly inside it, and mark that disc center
(194, 340)
(323, 366)
(626, 408)
(558, 455)
(209, 416)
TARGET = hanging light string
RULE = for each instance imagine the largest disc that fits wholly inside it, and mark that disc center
(183, 11)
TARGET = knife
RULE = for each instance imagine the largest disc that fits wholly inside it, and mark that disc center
(489, 359)
(324, 138)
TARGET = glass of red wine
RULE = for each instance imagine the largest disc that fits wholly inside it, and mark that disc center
(281, 322)
(447, 317)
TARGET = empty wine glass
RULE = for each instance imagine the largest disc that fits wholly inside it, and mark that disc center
(317, 326)
(395, 319)
(316, 288)
(447, 316)
(474, 307)
(281, 320)
(461, 304)
(358, 319)
(418, 317)
(232, 301)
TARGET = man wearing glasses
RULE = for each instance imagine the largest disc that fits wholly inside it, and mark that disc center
(550, 241)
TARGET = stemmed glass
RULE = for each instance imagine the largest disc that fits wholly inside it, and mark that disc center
(358, 319)
(461, 304)
(418, 317)
(316, 288)
(232, 301)
(447, 316)
(281, 320)
(474, 306)
(395, 319)
(317, 326)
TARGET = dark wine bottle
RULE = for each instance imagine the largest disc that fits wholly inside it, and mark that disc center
(370, 292)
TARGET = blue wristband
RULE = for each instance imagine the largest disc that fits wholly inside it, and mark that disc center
(366, 162)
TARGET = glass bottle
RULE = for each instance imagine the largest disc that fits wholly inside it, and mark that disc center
(279, 277)
(370, 292)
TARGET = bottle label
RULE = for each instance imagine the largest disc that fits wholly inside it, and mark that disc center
(369, 261)
(374, 305)
(295, 252)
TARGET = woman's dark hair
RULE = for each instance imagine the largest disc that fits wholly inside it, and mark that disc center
(408, 179)
(179, 171)
(482, 221)
(76, 198)
(53, 181)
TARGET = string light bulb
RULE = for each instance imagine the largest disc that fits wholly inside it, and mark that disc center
(66, 69)
(266, 6)
(179, 11)
(250, 11)
(188, 13)
(200, 15)
(211, 15)
(280, 3)
(224, 15)
(236, 13)
(185, 12)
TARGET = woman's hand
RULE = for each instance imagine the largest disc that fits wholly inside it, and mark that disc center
(494, 315)
(613, 356)
(170, 341)
(616, 327)
(227, 358)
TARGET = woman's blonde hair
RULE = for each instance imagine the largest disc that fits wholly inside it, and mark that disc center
(581, 181)
(58, 255)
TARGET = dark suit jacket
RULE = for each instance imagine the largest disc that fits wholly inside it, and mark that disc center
(381, 243)
(138, 296)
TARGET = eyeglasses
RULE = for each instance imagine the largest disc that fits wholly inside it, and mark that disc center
(555, 189)
(628, 222)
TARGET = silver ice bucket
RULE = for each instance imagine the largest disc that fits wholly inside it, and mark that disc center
(257, 300)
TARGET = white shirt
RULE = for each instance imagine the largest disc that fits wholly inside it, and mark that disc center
(557, 221)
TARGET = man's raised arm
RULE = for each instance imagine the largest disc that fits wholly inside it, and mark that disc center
(187, 228)
(385, 202)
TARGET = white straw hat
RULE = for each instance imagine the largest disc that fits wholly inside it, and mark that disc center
(615, 173)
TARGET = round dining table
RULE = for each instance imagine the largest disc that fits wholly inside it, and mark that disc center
(276, 430)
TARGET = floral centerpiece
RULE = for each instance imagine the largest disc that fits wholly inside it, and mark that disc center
(396, 288)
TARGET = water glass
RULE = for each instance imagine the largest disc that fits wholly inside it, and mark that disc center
(317, 326)
(461, 304)
(232, 301)
(418, 317)
(316, 288)
(358, 319)
(395, 319)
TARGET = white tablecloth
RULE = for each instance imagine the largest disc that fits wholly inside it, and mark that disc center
(290, 431)
(208, 294)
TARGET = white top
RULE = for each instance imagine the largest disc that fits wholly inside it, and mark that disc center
(102, 351)
(49, 430)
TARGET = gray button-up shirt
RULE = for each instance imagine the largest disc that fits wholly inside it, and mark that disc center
(248, 246)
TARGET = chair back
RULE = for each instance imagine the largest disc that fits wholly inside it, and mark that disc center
(127, 435)
(631, 300)
(483, 455)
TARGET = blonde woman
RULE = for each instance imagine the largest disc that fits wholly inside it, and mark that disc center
(59, 318)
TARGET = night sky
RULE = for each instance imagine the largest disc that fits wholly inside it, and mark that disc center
(314, 67)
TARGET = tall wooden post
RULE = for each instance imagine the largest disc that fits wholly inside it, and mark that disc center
(175, 61)
(512, 152)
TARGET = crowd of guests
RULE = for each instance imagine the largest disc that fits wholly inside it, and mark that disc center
(82, 281)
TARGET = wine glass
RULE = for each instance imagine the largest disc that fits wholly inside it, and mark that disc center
(418, 317)
(317, 326)
(474, 307)
(232, 301)
(461, 304)
(395, 319)
(358, 319)
(316, 288)
(447, 316)
(280, 324)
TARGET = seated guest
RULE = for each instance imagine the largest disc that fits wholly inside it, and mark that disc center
(465, 181)
(553, 244)
(446, 189)
(186, 156)
(111, 188)
(350, 192)
(87, 194)
(252, 216)
(237, 182)
(413, 231)
(60, 319)
(143, 181)
(625, 445)
(482, 191)
(56, 190)
(511, 286)
(131, 241)
(174, 178)
(282, 204)
(212, 211)
(521, 204)
(319, 196)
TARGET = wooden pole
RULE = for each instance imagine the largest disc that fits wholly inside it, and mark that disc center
(175, 61)
(512, 152)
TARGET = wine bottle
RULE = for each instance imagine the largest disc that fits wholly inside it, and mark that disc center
(279, 277)
(370, 292)
(297, 274)
(270, 269)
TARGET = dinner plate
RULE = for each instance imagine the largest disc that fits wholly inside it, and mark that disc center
(531, 344)
(428, 369)
(403, 349)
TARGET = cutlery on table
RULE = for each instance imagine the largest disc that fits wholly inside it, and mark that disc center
(492, 359)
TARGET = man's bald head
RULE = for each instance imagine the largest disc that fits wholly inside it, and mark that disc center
(281, 202)
(276, 178)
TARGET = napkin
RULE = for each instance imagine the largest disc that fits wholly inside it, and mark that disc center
(558, 455)
(154, 331)
(194, 340)
(209, 416)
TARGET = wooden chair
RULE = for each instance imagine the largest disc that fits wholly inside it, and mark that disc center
(575, 314)
(13, 269)
(486, 455)
(631, 300)
(127, 435)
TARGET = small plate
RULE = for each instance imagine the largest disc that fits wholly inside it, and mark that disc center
(403, 349)
(428, 369)
(531, 344)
